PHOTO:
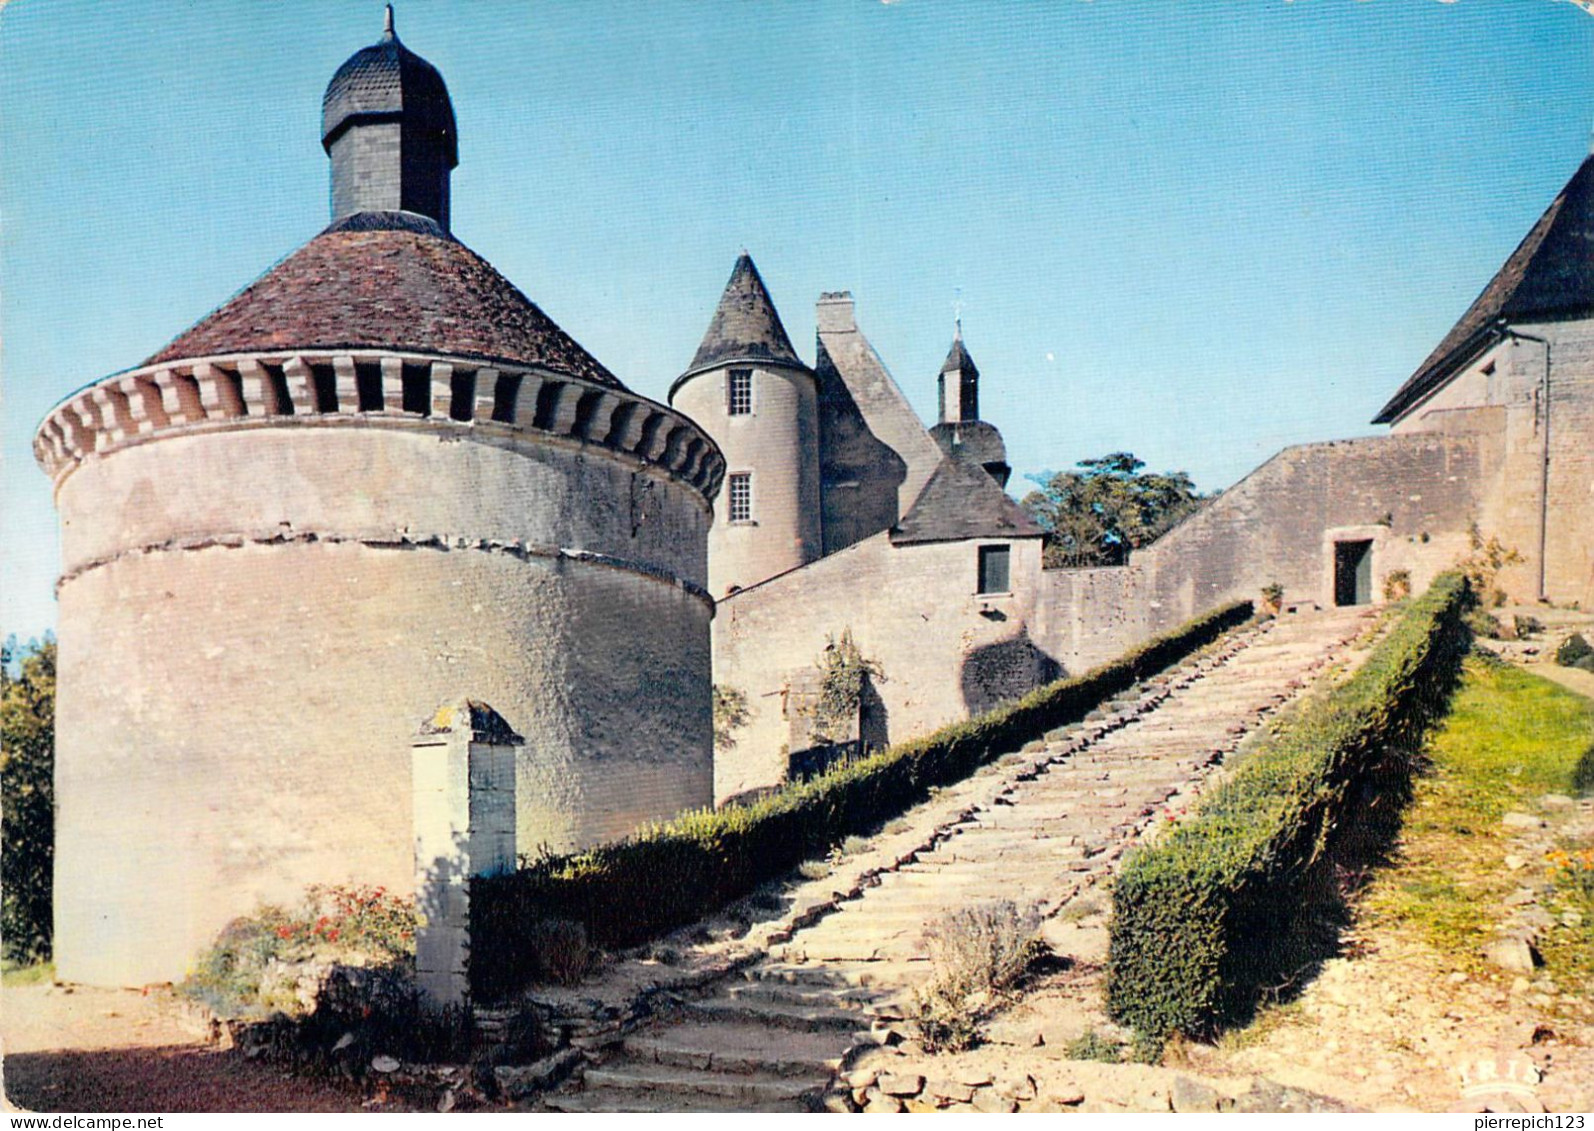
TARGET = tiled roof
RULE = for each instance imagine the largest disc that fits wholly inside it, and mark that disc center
(745, 326)
(972, 442)
(1548, 278)
(387, 281)
(961, 501)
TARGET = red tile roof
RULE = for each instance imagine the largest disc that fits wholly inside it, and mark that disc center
(394, 287)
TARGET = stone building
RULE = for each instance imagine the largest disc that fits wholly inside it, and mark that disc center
(376, 480)
(380, 479)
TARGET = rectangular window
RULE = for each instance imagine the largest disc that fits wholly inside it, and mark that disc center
(741, 497)
(993, 569)
(740, 393)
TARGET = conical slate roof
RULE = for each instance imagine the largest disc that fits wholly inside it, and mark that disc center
(745, 326)
(1548, 278)
(958, 359)
(390, 281)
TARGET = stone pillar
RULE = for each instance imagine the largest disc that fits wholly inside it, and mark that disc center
(463, 759)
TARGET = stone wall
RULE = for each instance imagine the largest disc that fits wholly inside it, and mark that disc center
(1413, 497)
(1503, 393)
(253, 623)
(945, 650)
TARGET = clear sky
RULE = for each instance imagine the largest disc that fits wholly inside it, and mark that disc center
(1198, 230)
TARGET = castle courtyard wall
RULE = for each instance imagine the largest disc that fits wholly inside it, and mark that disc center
(945, 650)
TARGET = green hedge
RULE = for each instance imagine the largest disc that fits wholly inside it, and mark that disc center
(672, 874)
(1198, 914)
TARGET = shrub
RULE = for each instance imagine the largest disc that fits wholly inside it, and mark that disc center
(560, 951)
(1091, 1045)
(1483, 564)
(1526, 626)
(275, 960)
(1197, 913)
(1574, 652)
(1272, 598)
(1397, 585)
(977, 955)
(674, 873)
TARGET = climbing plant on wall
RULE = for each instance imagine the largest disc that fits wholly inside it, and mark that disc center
(844, 672)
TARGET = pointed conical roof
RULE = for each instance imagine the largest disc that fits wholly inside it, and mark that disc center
(957, 358)
(745, 326)
(1549, 278)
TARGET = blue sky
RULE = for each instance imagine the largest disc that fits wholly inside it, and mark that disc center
(1198, 230)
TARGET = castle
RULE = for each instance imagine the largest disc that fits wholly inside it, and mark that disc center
(380, 478)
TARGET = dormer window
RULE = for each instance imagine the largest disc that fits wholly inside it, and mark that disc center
(739, 393)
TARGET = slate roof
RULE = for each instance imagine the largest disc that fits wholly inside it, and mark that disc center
(389, 281)
(961, 501)
(971, 441)
(383, 81)
(745, 326)
(1548, 278)
(958, 359)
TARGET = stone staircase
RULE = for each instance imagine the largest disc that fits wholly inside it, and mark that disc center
(771, 1037)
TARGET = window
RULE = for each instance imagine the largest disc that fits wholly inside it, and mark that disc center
(993, 569)
(741, 497)
(740, 393)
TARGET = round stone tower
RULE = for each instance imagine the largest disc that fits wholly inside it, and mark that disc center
(376, 480)
(760, 403)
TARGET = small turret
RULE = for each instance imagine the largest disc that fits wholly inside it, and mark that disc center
(748, 390)
(960, 432)
(388, 125)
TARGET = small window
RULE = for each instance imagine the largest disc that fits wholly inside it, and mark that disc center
(993, 569)
(740, 392)
(741, 497)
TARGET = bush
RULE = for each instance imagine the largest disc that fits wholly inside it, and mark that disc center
(1196, 915)
(671, 874)
(276, 960)
(1526, 626)
(1575, 652)
(27, 801)
(977, 955)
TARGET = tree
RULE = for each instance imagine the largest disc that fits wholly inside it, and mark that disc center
(27, 799)
(1096, 515)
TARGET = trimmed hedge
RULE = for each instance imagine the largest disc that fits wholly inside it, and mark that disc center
(1199, 913)
(672, 874)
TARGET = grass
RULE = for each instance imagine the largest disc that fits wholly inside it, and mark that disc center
(1510, 738)
(14, 974)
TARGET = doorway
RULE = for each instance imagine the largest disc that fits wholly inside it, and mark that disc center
(1353, 573)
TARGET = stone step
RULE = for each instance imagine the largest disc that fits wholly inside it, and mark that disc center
(847, 999)
(779, 1014)
(632, 1102)
(739, 1048)
(668, 1079)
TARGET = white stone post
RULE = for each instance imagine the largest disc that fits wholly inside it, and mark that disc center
(464, 780)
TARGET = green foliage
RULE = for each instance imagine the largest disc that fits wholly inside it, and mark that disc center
(1095, 516)
(27, 800)
(674, 873)
(1272, 597)
(977, 955)
(1575, 652)
(844, 672)
(254, 966)
(1198, 913)
(1091, 1045)
(730, 715)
